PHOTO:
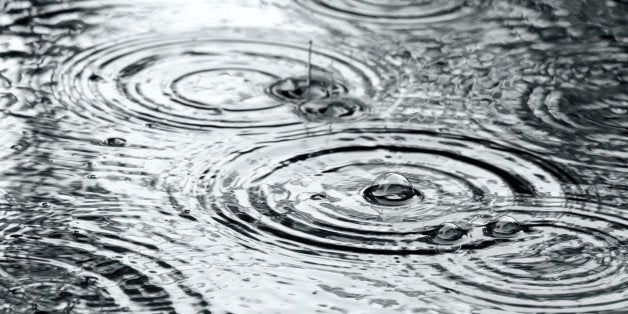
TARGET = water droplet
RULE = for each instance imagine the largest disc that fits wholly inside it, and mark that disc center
(317, 197)
(343, 108)
(116, 142)
(19, 147)
(503, 226)
(449, 232)
(95, 78)
(298, 90)
(391, 189)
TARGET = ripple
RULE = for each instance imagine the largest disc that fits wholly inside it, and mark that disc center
(53, 263)
(576, 97)
(595, 114)
(6, 18)
(397, 13)
(569, 257)
(310, 191)
(206, 81)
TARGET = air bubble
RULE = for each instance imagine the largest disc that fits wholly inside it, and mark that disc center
(116, 142)
(339, 109)
(19, 147)
(391, 189)
(297, 90)
(317, 197)
(503, 226)
(449, 232)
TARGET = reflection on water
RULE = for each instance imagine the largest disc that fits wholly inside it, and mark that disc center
(431, 156)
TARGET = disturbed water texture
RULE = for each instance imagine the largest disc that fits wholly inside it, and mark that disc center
(449, 156)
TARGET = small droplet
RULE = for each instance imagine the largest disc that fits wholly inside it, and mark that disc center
(298, 90)
(503, 226)
(95, 78)
(317, 197)
(18, 147)
(116, 142)
(449, 232)
(391, 189)
(338, 109)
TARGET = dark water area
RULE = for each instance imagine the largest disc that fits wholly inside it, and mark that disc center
(419, 156)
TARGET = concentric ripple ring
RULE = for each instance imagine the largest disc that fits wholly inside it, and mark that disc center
(309, 191)
(570, 256)
(202, 81)
(398, 13)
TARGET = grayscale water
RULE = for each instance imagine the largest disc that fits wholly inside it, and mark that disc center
(426, 156)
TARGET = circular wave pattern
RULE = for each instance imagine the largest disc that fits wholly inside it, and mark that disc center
(53, 263)
(569, 257)
(310, 191)
(204, 81)
(590, 113)
(575, 96)
(400, 13)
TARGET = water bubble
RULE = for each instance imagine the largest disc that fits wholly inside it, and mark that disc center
(317, 197)
(339, 109)
(19, 147)
(391, 189)
(503, 226)
(449, 232)
(116, 142)
(300, 89)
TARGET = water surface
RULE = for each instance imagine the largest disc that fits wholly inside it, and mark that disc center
(444, 156)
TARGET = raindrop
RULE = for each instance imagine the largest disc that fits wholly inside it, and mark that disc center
(116, 142)
(343, 108)
(298, 89)
(503, 226)
(391, 189)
